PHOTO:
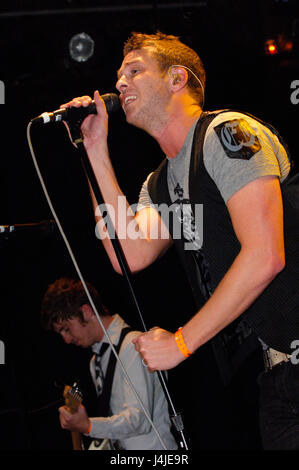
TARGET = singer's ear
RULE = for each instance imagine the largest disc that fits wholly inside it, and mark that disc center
(178, 77)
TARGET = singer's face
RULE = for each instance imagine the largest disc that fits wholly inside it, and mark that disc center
(144, 91)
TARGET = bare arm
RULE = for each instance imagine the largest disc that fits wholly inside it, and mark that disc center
(257, 216)
(134, 231)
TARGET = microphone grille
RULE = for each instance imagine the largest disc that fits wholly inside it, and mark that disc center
(112, 102)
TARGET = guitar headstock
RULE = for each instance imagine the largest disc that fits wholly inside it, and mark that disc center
(72, 397)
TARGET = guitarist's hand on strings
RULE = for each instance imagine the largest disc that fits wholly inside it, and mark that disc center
(78, 421)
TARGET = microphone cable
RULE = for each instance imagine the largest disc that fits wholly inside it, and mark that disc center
(88, 294)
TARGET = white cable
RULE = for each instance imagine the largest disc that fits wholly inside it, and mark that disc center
(84, 284)
(196, 77)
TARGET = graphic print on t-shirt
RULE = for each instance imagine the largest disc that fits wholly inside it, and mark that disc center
(238, 139)
(185, 216)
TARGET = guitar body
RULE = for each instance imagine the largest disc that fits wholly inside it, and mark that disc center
(97, 445)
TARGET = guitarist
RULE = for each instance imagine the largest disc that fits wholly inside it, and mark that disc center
(67, 311)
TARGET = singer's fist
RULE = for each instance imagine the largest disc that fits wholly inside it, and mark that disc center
(94, 127)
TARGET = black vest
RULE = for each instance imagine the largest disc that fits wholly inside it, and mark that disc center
(275, 314)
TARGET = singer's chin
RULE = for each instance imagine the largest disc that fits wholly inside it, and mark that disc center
(130, 118)
(133, 118)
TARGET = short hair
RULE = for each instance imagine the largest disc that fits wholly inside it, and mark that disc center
(63, 300)
(169, 50)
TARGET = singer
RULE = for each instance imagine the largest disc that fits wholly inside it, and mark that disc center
(238, 168)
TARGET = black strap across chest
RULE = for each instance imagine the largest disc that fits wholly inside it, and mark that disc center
(104, 398)
(274, 315)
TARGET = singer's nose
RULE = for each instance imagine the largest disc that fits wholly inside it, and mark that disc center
(121, 84)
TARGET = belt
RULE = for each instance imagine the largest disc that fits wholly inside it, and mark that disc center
(273, 358)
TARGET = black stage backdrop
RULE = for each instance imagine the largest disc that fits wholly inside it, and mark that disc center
(37, 75)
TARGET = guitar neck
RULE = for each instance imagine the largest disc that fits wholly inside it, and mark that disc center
(73, 400)
(77, 440)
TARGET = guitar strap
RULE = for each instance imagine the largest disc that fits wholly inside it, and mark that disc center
(103, 400)
(103, 408)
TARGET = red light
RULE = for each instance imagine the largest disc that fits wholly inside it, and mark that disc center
(285, 44)
(271, 47)
(281, 44)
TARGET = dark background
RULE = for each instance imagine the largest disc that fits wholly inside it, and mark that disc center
(39, 75)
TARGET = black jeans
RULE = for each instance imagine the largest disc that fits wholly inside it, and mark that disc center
(279, 407)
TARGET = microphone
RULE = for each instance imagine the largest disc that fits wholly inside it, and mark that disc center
(44, 227)
(111, 101)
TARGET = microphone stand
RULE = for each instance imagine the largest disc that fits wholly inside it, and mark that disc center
(78, 140)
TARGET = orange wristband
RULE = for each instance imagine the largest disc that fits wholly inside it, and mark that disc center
(181, 343)
(89, 428)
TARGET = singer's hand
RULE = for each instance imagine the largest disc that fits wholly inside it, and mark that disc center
(158, 349)
(95, 126)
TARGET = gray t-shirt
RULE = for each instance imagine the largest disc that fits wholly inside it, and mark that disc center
(237, 150)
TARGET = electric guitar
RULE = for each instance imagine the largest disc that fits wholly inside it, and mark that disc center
(73, 399)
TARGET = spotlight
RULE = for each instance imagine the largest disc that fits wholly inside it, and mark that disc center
(282, 44)
(271, 47)
(81, 47)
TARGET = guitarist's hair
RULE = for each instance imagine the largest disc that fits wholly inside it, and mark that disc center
(63, 300)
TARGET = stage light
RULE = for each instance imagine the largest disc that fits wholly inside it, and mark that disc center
(282, 44)
(271, 47)
(81, 47)
(285, 44)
